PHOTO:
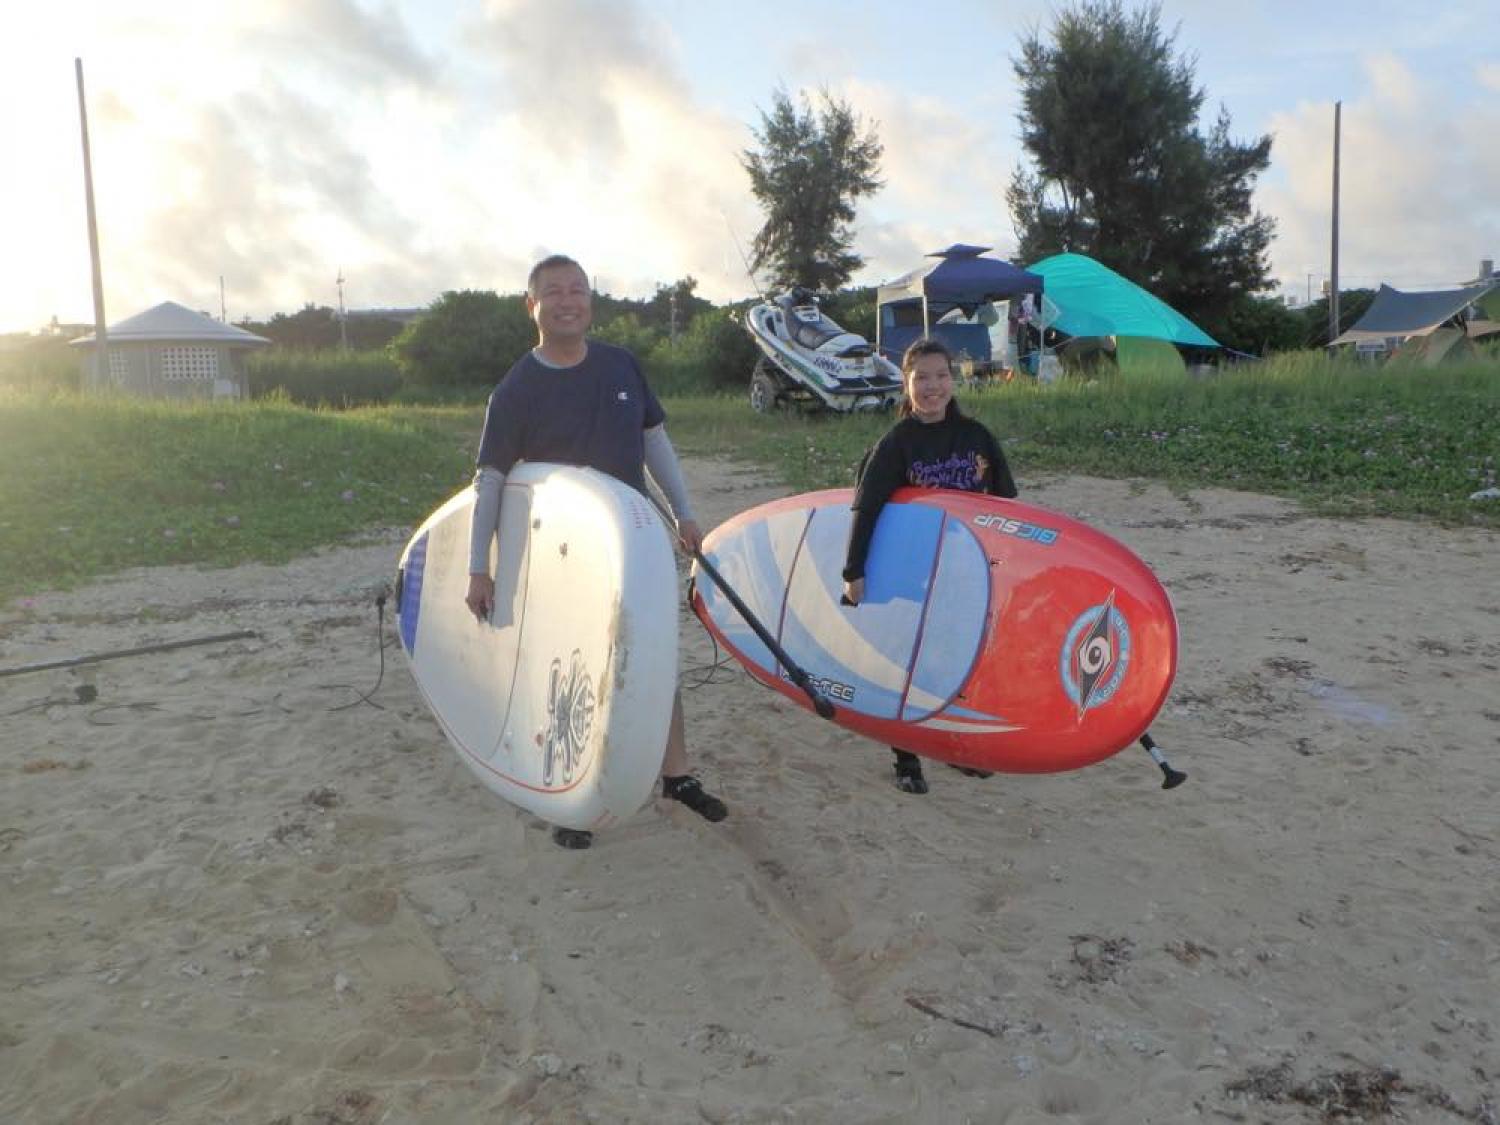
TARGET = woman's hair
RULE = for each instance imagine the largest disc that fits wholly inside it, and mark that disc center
(922, 346)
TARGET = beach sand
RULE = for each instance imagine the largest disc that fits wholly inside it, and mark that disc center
(234, 889)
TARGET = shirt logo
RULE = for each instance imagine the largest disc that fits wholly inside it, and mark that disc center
(623, 396)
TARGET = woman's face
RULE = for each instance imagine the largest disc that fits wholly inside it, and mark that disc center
(929, 387)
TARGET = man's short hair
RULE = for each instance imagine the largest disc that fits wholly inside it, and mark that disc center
(552, 261)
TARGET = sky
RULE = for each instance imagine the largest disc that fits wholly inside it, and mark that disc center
(417, 147)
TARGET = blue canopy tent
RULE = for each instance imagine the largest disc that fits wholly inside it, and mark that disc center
(960, 279)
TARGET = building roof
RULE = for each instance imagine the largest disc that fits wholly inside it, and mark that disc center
(171, 321)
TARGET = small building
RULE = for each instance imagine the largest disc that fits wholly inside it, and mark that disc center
(170, 351)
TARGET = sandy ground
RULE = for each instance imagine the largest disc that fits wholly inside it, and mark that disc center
(231, 890)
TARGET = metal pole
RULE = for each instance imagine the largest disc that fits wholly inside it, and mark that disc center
(1333, 287)
(343, 316)
(101, 335)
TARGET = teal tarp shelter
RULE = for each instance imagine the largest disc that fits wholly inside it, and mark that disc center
(1085, 298)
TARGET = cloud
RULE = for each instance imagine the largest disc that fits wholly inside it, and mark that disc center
(563, 64)
(1417, 206)
(946, 166)
(370, 47)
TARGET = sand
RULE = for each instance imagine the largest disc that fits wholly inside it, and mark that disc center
(238, 885)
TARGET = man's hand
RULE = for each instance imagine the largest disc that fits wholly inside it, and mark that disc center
(854, 591)
(690, 536)
(481, 597)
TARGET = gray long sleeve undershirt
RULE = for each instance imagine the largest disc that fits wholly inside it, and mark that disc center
(489, 485)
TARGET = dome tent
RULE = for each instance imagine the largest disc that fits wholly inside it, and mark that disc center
(170, 351)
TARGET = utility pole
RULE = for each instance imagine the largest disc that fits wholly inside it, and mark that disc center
(101, 335)
(1333, 289)
(343, 318)
(223, 311)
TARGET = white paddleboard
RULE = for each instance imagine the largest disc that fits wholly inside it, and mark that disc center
(560, 703)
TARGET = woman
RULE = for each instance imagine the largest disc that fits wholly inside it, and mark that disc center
(932, 445)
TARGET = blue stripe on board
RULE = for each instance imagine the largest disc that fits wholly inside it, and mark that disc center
(411, 592)
(900, 560)
(937, 556)
(830, 640)
(955, 623)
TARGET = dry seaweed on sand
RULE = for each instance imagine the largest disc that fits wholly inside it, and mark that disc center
(1353, 1094)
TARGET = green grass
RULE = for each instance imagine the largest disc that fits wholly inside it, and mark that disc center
(92, 486)
(1347, 440)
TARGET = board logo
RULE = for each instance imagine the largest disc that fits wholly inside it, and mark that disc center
(570, 718)
(1095, 655)
(1008, 525)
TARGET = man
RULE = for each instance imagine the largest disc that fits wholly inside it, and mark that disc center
(582, 402)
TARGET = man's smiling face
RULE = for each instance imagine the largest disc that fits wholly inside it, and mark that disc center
(563, 305)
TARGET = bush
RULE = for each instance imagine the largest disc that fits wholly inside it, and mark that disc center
(324, 378)
(853, 310)
(43, 364)
(714, 354)
(1260, 326)
(628, 332)
(467, 338)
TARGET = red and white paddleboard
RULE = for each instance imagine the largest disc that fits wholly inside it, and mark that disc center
(993, 634)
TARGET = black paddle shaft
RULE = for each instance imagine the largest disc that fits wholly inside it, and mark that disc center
(821, 703)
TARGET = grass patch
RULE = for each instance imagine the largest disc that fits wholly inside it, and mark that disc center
(91, 486)
(1345, 439)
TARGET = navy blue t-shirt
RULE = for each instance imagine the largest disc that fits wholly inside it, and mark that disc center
(593, 413)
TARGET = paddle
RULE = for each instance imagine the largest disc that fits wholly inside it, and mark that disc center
(821, 703)
(1172, 778)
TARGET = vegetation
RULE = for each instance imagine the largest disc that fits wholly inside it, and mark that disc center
(462, 337)
(810, 169)
(40, 364)
(1122, 173)
(324, 378)
(94, 485)
(317, 326)
(1345, 438)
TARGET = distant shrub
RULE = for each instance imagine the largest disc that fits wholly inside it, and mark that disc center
(853, 310)
(714, 354)
(627, 331)
(467, 338)
(42, 364)
(324, 378)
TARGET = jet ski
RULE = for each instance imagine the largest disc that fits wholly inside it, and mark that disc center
(808, 360)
